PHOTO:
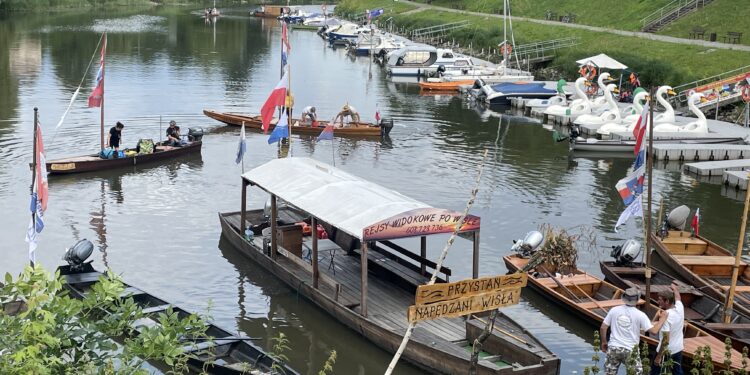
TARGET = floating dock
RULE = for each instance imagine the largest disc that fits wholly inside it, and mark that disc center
(701, 152)
(716, 168)
(735, 179)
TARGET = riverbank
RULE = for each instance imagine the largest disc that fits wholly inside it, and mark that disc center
(656, 62)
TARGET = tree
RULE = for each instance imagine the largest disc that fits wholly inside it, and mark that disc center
(57, 334)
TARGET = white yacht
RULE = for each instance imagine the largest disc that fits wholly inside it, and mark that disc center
(424, 60)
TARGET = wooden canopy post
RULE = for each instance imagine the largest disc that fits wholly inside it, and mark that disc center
(363, 291)
(423, 253)
(314, 225)
(737, 258)
(274, 215)
(243, 209)
(475, 260)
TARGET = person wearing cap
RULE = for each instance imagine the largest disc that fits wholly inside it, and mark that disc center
(347, 110)
(309, 111)
(115, 137)
(669, 322)
(626, 323)
(173, 134)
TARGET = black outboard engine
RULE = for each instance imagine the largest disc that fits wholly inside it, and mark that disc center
(386, 125)
(195, 134)
(625, 254)
(675, 220)
(529, 244)
(77, 254)
(440, 70)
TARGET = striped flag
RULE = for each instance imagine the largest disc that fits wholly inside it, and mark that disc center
(39, 197)
(275, 99)
(242, 146)
(285, 38)
(632, 185)
(95, 99)
(327, 133)
(281, 130)
(639, 131)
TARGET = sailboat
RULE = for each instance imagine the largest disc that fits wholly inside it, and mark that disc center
(128, 157)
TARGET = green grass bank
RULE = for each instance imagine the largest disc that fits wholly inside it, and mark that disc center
(656, 62)
(720, 17)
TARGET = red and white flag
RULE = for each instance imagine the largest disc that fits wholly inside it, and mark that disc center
(377, 116)
(639, 131)
(285, 38)
(95, 99)
(41, 171)
(38, 197)
(696, 221)
(275, 99)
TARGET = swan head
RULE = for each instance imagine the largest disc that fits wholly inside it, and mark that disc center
(696, 97)
(613, 88)
(602, 78)
(643, 95)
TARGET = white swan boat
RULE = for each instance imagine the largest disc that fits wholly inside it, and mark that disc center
(611, 114)
(579, 106)
(699, 126)
(628, 123)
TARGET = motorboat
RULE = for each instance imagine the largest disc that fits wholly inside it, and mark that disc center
(388, 43)
(365, 44)
(699, 126)
(579, 106)
(424, 60)
(502, 92)
(612, 114)
(350, 32)
(628, 123)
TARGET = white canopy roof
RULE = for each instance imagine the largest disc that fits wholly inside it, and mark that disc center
(330, 194)
(603, 61)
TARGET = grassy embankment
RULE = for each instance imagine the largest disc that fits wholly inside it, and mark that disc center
(616, 14)
(718, 17)
(656, 62)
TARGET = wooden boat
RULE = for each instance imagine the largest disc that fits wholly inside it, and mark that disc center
(367, 288)
(591, 298)
(617, 145)
(700, 309)
(90, 163)
(705, 265)
(445, 86)
(254, 122)
(224, 354)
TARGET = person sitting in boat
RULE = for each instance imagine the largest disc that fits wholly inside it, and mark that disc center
(115, 138)
(309, 112)
(173, 134)
(347, 110)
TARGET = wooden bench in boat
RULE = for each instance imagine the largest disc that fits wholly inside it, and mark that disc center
(728, 326)
(631, 271)
(578, 279)
(738, 288)
(605, 304)
(681, 245)
(706, 260)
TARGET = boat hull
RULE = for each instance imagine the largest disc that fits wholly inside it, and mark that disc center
(255, 122)
(421, 351)
(92, 163)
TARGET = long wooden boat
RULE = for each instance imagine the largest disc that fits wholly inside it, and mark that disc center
(90, 163)
(445, 86)
(255, 122)
(366, 284)
(591, 298)
(224, 354)
(705, 265)
(703, 311)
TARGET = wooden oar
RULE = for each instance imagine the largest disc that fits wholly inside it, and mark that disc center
(503, 331)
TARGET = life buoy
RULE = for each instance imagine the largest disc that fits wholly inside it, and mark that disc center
(746, 93)
(506, 48)
(588, 71)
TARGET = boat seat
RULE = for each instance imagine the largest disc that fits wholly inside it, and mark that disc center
(155, 309)
(706, 260)
(578, 279)
(728, 326)
(631, 271)
(605, 304)
(738, 288)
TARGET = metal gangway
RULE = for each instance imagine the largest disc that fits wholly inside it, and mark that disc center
(437, 31)
(538, 52)
(722, 89)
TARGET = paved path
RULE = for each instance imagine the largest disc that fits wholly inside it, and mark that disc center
(637, 34)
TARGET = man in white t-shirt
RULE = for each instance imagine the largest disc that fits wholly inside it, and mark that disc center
(669, 322)
(626, 323)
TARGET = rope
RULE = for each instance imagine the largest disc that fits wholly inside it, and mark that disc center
(439, 264)
(75, 94)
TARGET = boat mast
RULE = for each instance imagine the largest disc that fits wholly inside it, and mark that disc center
(505, 36)
(650, 168)
(737, 258)
(33, 177)
(101, 108)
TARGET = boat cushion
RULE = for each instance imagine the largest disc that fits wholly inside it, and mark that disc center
(145, 146)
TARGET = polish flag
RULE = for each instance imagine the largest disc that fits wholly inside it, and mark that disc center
(639, 131)
(696, 221)
(95, 99)
(275, 99)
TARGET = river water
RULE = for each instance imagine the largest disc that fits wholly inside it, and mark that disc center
(158, 225)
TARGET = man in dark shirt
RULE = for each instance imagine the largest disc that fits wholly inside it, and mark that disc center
(173, 134)
(115, 137)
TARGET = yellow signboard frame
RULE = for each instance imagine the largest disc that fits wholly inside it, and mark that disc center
(464, 305)
(469, 287)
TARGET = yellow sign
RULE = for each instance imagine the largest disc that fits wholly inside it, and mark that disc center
(465, 305)
(63, 166)
(469, 287)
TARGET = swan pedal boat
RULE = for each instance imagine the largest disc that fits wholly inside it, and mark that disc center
(591, 298)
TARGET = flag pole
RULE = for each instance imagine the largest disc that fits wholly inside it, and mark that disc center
(101, 108)
(649, 167)
(737, 258)
(33, 181)
(242, 161)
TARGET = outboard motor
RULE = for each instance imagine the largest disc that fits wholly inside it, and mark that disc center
(528, 245)
(77, 254)
(625, 254)
(675, 220)
(195, 134)
(440, 70)
(386, 125)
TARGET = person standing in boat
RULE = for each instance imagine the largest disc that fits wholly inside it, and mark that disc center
(669, 322)
(173, 134)
(115, 138)
(349, 111)
(309, 112)
(626, 323)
